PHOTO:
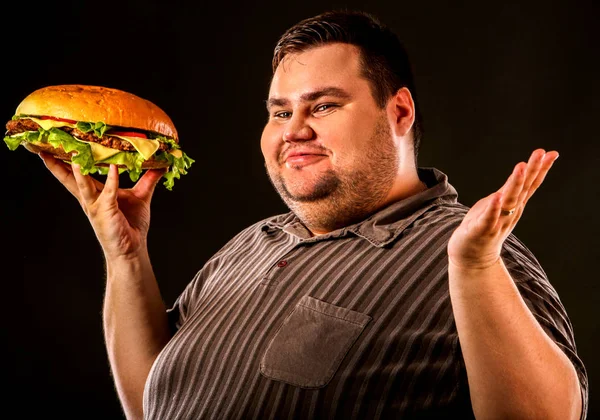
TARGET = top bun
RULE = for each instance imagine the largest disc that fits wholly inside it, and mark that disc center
(96, 103)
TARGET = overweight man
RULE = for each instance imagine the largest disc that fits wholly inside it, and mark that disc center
(378, 295)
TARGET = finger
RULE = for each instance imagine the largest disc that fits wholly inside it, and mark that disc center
(546, 164)
(111, 188)
(513, 187)
(534, 166)
(86, 186)
(144, 188)
(488, 220)
(62, 172)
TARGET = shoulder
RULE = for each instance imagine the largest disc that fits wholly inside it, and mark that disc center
(441, 216)
(257, 230)
(521, 262)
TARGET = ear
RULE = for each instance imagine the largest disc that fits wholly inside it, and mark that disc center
(401, 112)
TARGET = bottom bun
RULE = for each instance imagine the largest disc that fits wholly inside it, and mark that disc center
(60, 153)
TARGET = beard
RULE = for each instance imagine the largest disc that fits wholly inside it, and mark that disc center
(343, 196)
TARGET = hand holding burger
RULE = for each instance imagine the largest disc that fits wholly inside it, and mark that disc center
(94, 127)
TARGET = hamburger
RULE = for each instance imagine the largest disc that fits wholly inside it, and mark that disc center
(95, 126)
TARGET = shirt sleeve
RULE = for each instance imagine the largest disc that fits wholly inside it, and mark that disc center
(544, 303)
(180, 311)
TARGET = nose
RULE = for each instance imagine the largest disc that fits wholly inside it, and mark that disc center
(297, 130)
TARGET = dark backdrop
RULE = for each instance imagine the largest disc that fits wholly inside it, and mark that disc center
(494, 82)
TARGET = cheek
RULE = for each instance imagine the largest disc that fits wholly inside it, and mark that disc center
(346, 143)
(269, 143)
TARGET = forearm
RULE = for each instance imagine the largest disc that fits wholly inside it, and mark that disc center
(514, 369)
(135, 327)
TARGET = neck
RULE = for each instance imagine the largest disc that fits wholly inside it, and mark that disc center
(405, 185)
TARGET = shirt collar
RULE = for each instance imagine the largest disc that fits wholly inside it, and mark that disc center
(384, 226)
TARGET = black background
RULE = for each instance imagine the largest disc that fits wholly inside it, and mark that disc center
(495, 81)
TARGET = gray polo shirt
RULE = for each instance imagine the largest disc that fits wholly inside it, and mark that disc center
(353, 324)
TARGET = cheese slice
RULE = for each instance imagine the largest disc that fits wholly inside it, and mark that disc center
(177, 153)
(48, 124)
(146, 147)
(99, 152)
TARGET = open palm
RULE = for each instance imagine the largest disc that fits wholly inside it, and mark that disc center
(477, 242)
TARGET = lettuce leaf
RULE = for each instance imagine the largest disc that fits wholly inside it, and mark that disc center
(103, 170)
(178, 167)
(56, 138)
(84, 158)
(131, 160)
(98, 128)
(172, 143)
(14, 141)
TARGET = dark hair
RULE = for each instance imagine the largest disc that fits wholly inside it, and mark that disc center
(383, 59)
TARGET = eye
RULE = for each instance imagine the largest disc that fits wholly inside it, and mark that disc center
(282, 114)
(324, 107)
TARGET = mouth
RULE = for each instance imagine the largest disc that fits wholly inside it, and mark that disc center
(298, 159)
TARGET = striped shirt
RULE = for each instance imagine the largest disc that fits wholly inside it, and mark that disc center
(353, 324)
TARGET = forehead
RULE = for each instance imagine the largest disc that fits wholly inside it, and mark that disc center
(336, 65)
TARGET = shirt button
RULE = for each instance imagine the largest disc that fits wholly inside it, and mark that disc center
(282, 263)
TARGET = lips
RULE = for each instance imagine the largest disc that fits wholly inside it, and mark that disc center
(302, 155)
(299, 158)
(299, 161)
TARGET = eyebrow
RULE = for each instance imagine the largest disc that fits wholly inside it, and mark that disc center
(310, 96)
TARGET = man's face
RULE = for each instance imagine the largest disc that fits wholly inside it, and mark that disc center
(327, 145)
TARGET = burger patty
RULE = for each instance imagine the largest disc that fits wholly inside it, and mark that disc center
(21, 125)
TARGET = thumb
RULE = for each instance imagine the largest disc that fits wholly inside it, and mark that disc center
(144, 188)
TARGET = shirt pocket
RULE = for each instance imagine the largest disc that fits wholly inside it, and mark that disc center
(311, 343)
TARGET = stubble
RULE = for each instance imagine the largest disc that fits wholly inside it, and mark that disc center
(343, 196)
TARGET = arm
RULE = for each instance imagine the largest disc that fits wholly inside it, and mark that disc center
(135, 321)
(135, 327)
(514, 369)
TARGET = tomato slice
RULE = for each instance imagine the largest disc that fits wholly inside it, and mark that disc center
(128, 134)
(45, 117)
